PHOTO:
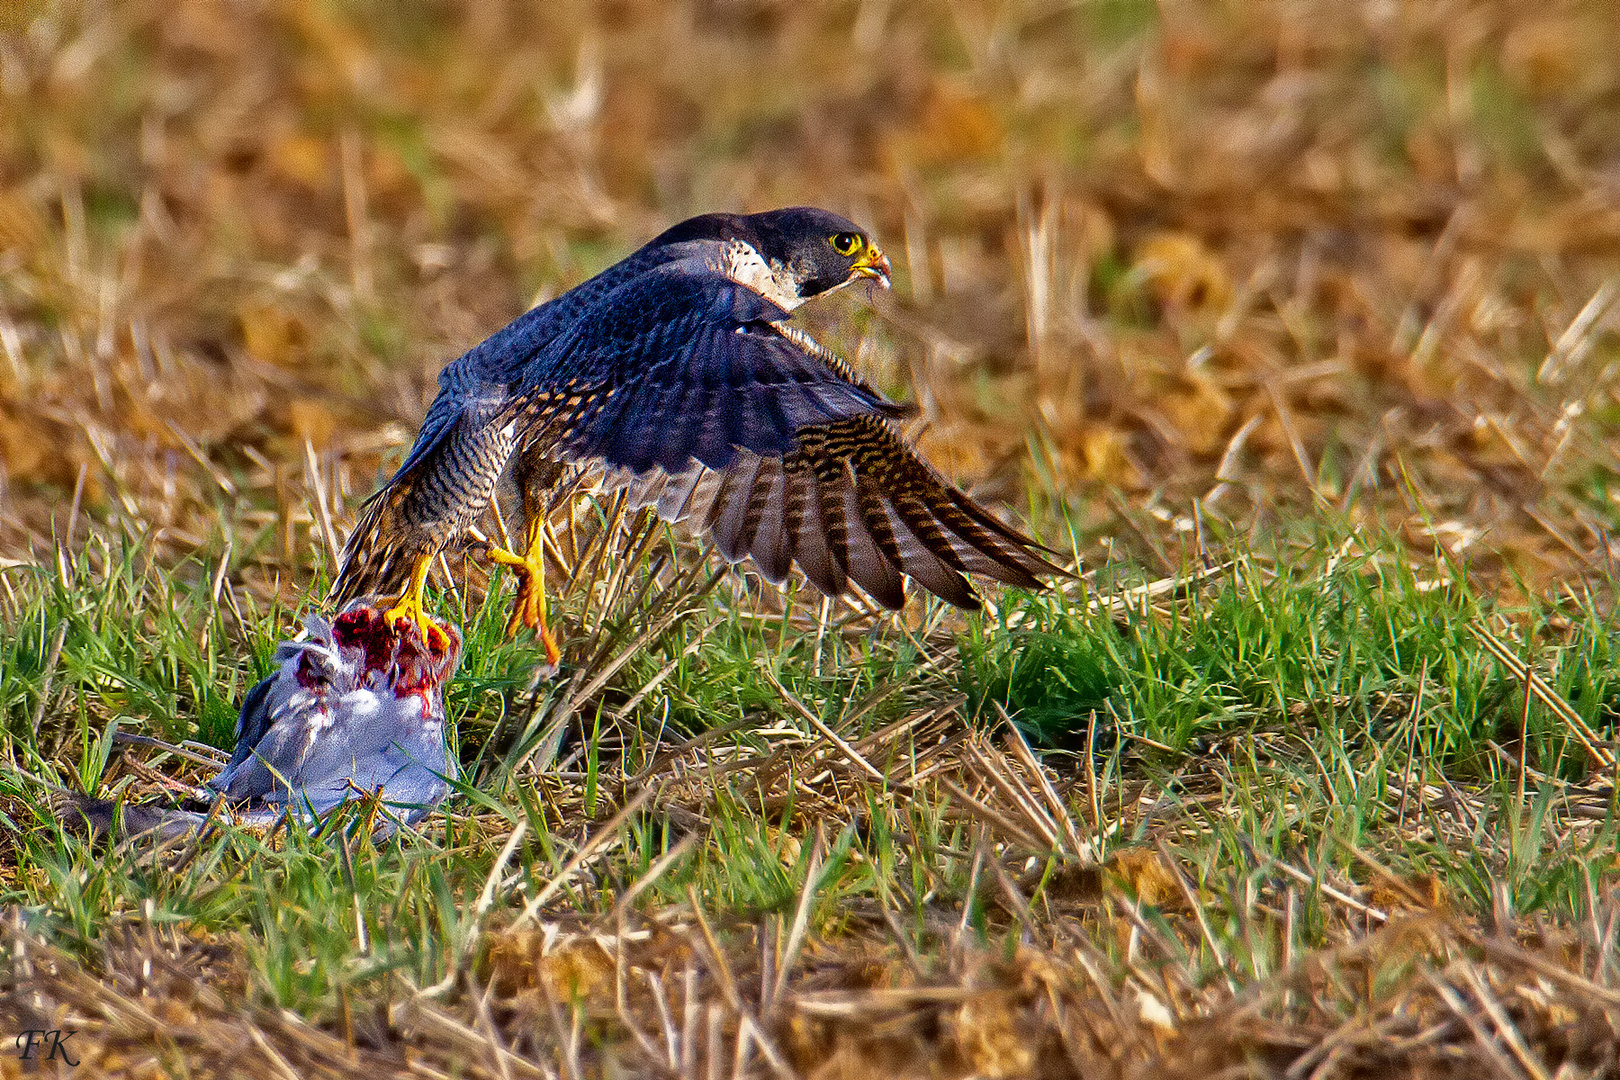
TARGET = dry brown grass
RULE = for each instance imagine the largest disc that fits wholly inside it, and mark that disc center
(1219, 261)
(1108, 977)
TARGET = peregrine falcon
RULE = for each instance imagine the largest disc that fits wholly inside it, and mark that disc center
(676, 375)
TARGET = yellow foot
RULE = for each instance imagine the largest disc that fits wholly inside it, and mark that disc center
(409, 608)
(529, 608)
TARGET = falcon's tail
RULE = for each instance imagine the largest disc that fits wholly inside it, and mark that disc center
(380, 553)
(445, 483)
(852, 503)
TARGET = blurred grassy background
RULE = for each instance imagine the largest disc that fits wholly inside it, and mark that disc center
(1319, 293)
(1171, 264)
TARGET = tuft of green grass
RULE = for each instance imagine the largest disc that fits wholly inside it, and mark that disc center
(1297, 706)
(1340, 641)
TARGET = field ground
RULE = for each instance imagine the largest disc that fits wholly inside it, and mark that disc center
(1294, 321)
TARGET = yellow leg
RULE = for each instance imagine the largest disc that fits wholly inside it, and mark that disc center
(409, 605)
(529, 608)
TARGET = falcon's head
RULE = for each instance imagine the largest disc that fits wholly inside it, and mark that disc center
(790, 255)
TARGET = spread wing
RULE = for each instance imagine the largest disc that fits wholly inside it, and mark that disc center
(637, 326)
(852, 503)
(689, 391)
(684, 364)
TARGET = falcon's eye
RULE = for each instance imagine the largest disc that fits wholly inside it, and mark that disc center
(845, 243)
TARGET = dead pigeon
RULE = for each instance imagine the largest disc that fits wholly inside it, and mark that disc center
(355, 708)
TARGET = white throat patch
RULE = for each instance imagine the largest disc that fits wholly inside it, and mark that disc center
(743, 264)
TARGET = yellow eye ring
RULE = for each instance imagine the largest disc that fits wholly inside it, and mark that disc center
(845, 243)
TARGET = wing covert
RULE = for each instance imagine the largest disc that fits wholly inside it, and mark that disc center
(685, 364)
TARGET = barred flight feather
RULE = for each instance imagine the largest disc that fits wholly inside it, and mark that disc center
(852, 505)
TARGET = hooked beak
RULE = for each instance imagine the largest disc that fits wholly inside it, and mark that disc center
(873, 264)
